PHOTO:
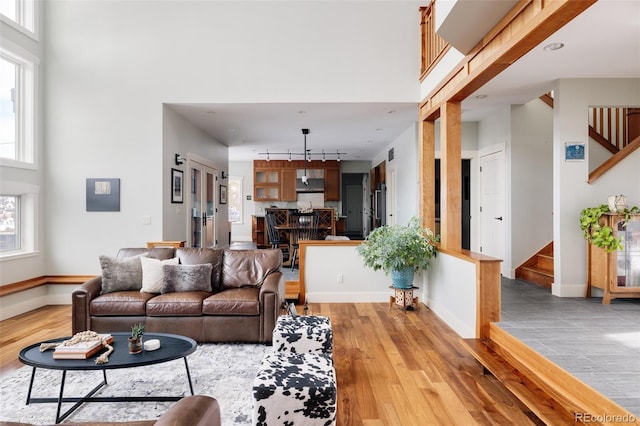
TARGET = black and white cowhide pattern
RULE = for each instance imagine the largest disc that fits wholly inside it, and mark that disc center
(295, 389)
(303, 334)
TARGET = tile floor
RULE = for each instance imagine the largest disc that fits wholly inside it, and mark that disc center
(599, 344)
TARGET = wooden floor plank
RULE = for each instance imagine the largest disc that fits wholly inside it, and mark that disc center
(392, 367)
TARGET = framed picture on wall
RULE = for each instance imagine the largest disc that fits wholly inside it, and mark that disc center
(574, 151)
(177, 185)
(223, 194)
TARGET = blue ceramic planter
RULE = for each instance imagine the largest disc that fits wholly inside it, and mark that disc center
(402, 278)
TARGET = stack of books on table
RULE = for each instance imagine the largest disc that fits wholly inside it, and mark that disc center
(81, 350)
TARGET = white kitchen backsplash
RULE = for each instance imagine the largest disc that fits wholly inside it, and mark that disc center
(315, 198)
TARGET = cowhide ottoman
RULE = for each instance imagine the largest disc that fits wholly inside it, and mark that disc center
(295, 389)
(302, 334)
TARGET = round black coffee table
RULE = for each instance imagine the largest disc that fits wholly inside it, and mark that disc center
(171, 347)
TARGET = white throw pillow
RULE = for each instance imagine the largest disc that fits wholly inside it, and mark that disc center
(152, 274)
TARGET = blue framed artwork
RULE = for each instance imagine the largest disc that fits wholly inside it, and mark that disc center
(574, 151)
(103, 195)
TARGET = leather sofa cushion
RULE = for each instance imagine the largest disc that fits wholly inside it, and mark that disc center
(237, 301)
(120, 303)
(243, 268)
(178, 304)
(161, 253)
(198, 256)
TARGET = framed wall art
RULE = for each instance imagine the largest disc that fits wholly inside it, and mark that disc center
(223, 194)
(574, 151)
(103, 195)
(177, 186)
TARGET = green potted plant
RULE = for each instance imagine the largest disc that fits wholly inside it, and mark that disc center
(596, 232)
(135, 340)
(399, 250)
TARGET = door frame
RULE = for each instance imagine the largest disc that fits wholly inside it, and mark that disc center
(196, 160)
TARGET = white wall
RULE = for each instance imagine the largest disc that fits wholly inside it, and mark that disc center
(531, 207)
(181, 137)
(323, 264)
(111, 69)
(402, 176)
(572, 193)
(450, 290)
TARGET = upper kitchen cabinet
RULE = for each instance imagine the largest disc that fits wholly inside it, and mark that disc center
(332, 184)
(288, 179)
(275, 180)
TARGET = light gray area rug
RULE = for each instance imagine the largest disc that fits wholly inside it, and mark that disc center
(224, 371)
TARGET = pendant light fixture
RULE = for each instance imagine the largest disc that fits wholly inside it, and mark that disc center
(305, 179)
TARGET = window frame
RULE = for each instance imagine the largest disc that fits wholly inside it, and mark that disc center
(26, 106)
(27, 18)
(27, 218)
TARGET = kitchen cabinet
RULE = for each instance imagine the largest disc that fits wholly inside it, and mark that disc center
(616, 273)
(332, 184)
(266, 184)
(288, 185)
(275, 180)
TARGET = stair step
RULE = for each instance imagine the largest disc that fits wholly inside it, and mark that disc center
(542, 405)
(545, 262)
(538, 276)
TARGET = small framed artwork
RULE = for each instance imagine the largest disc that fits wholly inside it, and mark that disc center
(103, 195)
(574, 151)
(223, 194)
(177, 185)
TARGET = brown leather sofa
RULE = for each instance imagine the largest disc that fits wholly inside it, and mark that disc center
(194, 410)
(247, 293)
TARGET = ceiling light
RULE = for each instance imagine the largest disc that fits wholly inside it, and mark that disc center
(553, 46)
(480, 96)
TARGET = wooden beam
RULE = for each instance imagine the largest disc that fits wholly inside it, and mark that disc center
(451, 176)
(427, 174)
(512, 38)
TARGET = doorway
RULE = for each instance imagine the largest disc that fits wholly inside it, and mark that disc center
(465, 204)
(492, 193)
(201, 199)
(353, 204)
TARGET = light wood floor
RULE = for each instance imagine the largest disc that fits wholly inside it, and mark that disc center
(393, 368)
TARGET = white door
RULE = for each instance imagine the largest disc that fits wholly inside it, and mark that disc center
(492, 208)
(201, 199)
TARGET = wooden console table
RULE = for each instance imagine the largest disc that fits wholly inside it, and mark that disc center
(174, 244)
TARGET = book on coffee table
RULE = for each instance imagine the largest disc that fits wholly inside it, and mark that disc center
(81, 350)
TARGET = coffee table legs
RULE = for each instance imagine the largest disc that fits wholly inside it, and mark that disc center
(90, 398)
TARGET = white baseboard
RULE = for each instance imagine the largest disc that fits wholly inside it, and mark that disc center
(568, 290)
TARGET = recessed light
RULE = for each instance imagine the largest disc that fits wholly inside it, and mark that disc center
(553, 46)
(480, 96)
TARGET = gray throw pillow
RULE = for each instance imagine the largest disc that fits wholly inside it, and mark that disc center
(120, 274)
(186, 278)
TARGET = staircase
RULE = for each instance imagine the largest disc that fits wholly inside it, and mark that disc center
(538, 269)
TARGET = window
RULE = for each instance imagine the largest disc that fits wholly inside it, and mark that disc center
(17, 108)
(20, 14)
(235, 199)
(9, 223)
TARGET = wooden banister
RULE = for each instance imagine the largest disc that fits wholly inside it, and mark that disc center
(614, 160)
